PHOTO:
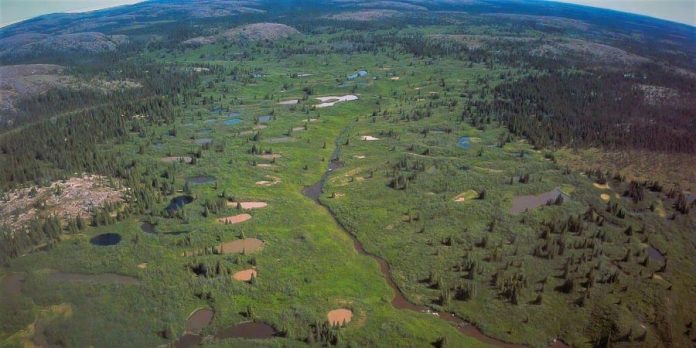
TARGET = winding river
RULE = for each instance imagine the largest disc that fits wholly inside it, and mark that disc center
(399, 301)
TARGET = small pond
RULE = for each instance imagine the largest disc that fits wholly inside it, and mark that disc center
(464, 142)
(201, 179)
(147, 227)
(203, 141)
(265, 118)
(106, 239)
(178, 203)
(250, 330)
(232, 121)
(655, 254)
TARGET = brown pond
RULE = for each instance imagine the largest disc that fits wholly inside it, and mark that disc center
(199, 319)
(655, 254)
(11, 284)
(102, 278)
(523, 203)
(249, 330)
(246, 245)
(399, 301)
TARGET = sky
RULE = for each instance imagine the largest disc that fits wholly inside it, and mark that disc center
(682, 11)
(12, 11)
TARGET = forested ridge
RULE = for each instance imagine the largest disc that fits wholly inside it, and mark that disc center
(580, 110)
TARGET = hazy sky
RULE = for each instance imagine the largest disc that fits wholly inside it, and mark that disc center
(683, 11)
(17, 10)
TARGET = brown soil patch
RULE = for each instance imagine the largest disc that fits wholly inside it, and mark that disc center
(247, 245)
(338, 317)
(245, 275)
(605, 197)
(235, 219)
(248, 205)
(64, 199)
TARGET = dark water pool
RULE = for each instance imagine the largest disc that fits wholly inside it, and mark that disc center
(250, 330)
(106, 239)
(147, 227)
(201, 179)
(178, 203)
(463, 142)
(655, 254)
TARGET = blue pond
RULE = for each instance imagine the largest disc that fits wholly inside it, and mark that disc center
(463, 142)
(234, 114)
(232, 121)
(106, 239)
(178, 203)
(355, 75)
(265, 119)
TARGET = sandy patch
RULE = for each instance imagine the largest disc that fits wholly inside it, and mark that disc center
(601, 187)
(143, 265)
(368, 138)
(235, 219)
(248, 205)
(332, 100)
(289, 102)
(265, 165)
(466, 196)
(270, 156)
(247, 245)
(605, 197)
(340, 316)
(245, 275)
(359, 156)
(275, 180)
(395, 78)
(296, 129)
(172, 159)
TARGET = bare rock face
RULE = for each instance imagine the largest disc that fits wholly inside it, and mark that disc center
(251, 32)
(29, 44)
